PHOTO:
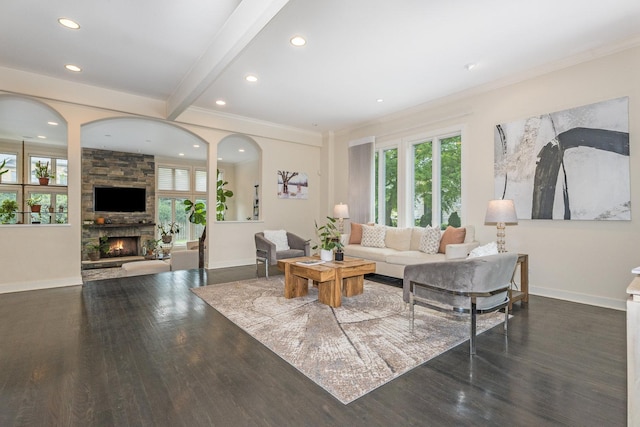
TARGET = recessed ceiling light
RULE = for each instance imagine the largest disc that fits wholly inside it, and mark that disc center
(180, 154)
(42, 137)
(221, 102)
(219, 158)
(52, 123)
(471, 66)
(379, 100)
(196, 146)
(241, 150)
(251, 78)
(69, 23)
(73, 68)
(298, 41)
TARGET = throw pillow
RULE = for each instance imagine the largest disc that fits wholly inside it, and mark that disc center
(398, 238)
(356, 234)
(430, 241)
(488, 249)
(373, 236)
(279, 238)
(451, 236)
(416, 237)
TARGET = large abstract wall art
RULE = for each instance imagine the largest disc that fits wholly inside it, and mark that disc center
(571, 165)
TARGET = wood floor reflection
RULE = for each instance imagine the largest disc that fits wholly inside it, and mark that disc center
(146, 351)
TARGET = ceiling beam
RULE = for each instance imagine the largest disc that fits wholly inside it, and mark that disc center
(246, 21)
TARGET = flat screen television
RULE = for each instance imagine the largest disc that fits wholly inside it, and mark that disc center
(119, 199)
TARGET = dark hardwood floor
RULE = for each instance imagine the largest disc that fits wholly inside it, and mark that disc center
(146, 351)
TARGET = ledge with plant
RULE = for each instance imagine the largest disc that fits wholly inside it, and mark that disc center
(42, 173)
(167, 231)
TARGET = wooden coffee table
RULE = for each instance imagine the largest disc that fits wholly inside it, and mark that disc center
(334, 279)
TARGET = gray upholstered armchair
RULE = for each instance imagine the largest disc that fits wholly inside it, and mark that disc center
(474, 285)
(266, 250)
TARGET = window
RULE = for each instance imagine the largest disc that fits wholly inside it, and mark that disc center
(57, 167)
(8, 207)
(175, 185)
(428, 190)
(437, 170)
(10, 160)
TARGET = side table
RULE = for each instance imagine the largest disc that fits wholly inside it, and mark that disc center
(521, 294)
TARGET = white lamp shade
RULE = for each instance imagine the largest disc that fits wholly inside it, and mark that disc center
(501, 211)
(341, 211)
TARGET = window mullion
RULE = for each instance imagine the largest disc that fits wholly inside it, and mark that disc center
(436, 184)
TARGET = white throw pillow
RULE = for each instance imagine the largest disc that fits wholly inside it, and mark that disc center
(488, 249)
(430, 241)
(398, 238)
(373, 236)
(279, 238)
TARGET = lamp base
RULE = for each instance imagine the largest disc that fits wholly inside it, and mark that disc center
(500, 234)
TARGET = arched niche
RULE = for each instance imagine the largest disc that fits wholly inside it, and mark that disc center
(31, 132)
(168, 161)
(240, 164)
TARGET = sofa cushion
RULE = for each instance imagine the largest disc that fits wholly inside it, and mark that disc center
(356, 234)
(398, 238)
(373, 254)
(430, 242)
(451, 235)
(488, 249)
(373, 236)
(413, 257)
(470, 233)
(279, 238)
(416, 236)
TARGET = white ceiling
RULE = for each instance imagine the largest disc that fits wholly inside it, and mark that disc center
(193, 52)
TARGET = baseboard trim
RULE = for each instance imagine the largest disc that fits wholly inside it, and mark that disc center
(40, 284)
(579, 298)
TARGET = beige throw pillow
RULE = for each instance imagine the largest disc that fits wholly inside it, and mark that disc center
(373, 236)
(398, 238)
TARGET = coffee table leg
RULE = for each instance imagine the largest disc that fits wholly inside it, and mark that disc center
(329, 291)
(294, 286)
(353, 286)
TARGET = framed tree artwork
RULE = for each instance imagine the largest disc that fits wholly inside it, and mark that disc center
(293, 185)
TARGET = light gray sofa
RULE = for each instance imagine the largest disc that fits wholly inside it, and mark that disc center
(402, 248)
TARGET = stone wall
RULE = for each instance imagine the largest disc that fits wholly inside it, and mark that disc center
(114, 168)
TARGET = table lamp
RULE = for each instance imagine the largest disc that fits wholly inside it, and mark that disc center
(501, 212)
(341, 212)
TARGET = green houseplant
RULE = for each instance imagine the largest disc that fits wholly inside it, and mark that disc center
(8, 211)
(167, 231)
(95, 249)
(34, 203)
(222, 196)
(42, 173)
(197, 214)
(328, 239)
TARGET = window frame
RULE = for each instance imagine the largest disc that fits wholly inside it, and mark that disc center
(406, 174)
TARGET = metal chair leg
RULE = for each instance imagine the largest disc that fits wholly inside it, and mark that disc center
(472, 340)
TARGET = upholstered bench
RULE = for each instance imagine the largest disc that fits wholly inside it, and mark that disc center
(138, 268)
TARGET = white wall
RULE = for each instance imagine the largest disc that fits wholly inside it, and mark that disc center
(48, 256)
(583, 261)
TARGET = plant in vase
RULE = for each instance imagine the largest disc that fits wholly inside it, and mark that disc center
(197, 214)
(221, 199)
(167, 231)
(8, 211)
(328, 239)
(35, 203)
(42, 173)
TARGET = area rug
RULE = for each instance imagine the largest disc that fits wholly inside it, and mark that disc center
(349, 350)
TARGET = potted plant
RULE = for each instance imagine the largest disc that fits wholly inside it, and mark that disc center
(34, 203)
(197, 214)
(95, 249)
(328, 239)
(8, 211)
(167, 231)
(222, 196)
(42, 173)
